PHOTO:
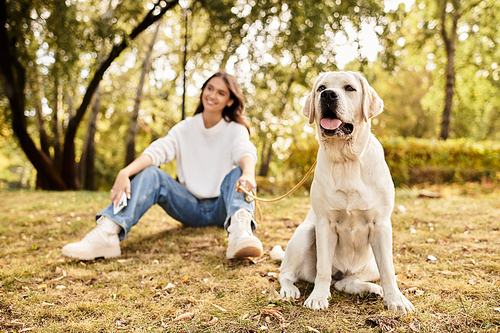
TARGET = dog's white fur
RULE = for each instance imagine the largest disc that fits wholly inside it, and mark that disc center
(346, 238)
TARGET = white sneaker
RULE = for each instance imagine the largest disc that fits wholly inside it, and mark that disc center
(242, 243)
(102, 241)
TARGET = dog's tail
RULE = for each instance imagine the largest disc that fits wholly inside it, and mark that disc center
(277, 253)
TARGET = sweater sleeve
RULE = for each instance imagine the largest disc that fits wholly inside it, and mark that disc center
(164, 150)
(242, 146)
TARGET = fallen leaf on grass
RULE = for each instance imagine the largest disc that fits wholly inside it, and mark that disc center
(384, 323)
(42, 286)
(47, 304)
(91, 281)
(415, 290)
(194, 300)
(276, 314)
(431, 259)
(212, 322)
(185, 316)
(26, 329)
(122, 322)
(401, 208)
(444, 272)
(430, 195)
(219, 307)
(14, 323)
(310, 329)
(60, 287)
(184, 279)
(414, 326)
(401, 278)
(273, 312)
(169, 286)
(274, 295)
(472, 282)
(496, 309)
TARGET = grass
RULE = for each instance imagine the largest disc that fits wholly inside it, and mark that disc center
(167, 270)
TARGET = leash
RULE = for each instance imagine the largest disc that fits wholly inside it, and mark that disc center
(251, 196)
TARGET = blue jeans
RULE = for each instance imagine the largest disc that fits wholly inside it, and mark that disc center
(154, 186)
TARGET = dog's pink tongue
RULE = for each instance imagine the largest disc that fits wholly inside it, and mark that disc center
(330, 124)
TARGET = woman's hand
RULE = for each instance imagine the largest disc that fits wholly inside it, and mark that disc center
(121, 185)
(247, 179)
(122, 181)
(247, 182)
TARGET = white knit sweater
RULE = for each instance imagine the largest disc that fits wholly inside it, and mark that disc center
(204, 155)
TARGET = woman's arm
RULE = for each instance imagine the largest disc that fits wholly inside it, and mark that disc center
(247, 179)
(122, 181)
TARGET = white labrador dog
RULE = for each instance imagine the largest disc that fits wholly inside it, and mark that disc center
(347, 235)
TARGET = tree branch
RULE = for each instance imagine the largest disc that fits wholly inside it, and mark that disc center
(68, 172)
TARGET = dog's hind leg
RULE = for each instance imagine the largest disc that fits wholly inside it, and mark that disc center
(358, 283)
(353, 285)
(300, 259)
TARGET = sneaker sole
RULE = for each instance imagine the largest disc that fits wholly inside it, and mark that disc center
(248, 252)
(250, 247)
(107, 253)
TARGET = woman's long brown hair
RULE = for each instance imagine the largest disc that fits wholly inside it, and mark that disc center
(235, 111)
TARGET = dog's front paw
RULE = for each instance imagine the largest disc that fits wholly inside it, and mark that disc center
(289, 291)
(397, 302)
(319, 302)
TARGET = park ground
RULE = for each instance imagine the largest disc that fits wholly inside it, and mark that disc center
(176, 279)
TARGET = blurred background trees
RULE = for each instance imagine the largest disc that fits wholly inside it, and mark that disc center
(87, 85)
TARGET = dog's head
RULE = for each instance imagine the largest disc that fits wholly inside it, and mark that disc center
(341, 102)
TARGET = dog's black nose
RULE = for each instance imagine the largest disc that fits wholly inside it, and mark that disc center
(329, 95)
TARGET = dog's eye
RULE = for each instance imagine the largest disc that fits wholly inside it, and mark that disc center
(349, 88)
(321, 88)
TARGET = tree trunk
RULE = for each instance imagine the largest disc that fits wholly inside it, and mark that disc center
(41, 181)
(450, 44)
(40, 124)
(266, 160)
(14, 84)
(86, 167)
(264, 166)
(68, 172)
(56, 123)
(132, 132)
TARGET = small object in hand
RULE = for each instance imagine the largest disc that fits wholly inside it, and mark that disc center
(121, 204)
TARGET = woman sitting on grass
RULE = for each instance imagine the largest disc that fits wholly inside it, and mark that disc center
(207, 148)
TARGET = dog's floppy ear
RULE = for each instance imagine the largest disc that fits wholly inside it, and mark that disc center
(372, 103)
(309, 109)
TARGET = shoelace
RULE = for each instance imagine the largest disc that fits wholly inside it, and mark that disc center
(94, 231)
(245, 219)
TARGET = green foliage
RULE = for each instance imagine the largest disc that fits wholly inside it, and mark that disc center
(15, 169)
(275, 49)
(415, 39)
(414, 161)
(411, 161)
